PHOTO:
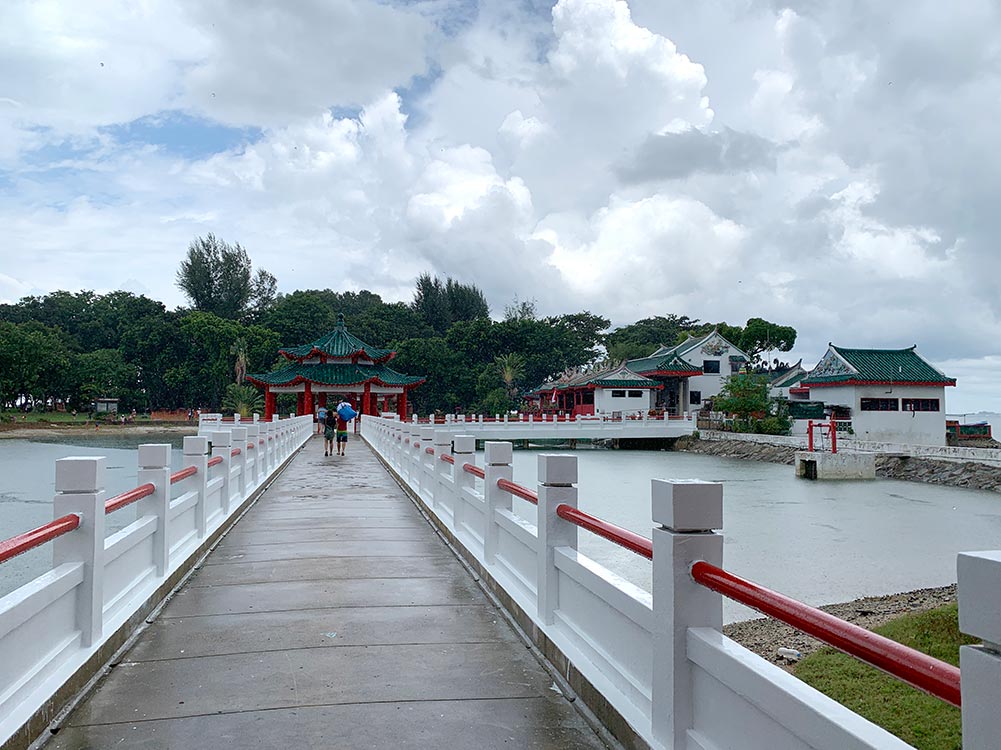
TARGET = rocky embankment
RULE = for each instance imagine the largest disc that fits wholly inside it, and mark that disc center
(766, 636)
(969, 474)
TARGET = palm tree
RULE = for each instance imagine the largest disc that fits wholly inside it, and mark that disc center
(511, 368)
(239, 348)
(242, 399)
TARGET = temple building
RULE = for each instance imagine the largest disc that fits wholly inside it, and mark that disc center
(334, 367)
(674, 379)
(892, 395)
(690, 372)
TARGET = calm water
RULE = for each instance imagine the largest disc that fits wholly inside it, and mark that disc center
(821, 542)
(27, 485)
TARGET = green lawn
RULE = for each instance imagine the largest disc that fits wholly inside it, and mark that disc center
(925, 722)
(52, 417)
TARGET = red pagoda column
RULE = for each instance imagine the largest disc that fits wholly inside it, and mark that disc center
(321, 400)
(300, 400)
(401, 405)
(308, 399)
(269, 404)
(366, 400)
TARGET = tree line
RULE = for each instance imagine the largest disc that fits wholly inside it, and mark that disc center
(73, 347)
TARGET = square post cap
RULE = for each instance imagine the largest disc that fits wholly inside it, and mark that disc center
(154, 455)
(497, 453)
(196, 445)
(557, 469)
(80, 474)
(464, 444)
(687, 504)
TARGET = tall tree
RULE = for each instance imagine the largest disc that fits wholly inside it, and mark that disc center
(640, 339)
(442, 303)
(217, 278)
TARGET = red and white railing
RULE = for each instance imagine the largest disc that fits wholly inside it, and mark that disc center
(660, 659)
(100, 583)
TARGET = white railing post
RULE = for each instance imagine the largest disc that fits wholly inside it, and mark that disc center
(442, 444)
(239, 435)
(80, 490)
(425, 464)
(496, 465)
(221, 447)
(685, 514)
(979, 575)
(557, 486)
(154, 467)
(413, 459)
(195, 450)
(463, 452)
(253, 438)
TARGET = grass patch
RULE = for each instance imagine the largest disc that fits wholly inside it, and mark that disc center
(925, 722)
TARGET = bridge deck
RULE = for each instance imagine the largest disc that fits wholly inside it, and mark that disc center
(331, 616)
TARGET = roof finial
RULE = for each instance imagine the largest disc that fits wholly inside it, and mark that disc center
(340, 320)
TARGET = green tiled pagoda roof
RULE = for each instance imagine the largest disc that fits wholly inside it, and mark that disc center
(342, 374)
(668, 361)
(619, 378)
(338, 343)
(889, 366)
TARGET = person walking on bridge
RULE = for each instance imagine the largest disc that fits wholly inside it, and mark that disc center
(342, 426)
(329, 427)
(321, 418)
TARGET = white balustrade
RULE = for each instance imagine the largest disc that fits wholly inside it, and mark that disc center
(660, 659)
(99, 586)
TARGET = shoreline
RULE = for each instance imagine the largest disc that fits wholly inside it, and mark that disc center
(972, 475)
(764, 636)
(29, 430)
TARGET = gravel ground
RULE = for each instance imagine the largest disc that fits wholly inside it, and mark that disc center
(765, 636)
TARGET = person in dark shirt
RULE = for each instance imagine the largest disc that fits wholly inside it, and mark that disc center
(329, 426)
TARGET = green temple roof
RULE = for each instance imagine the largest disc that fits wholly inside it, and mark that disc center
(666, 361)
(338, 344)
(339, 374)
(876, 366)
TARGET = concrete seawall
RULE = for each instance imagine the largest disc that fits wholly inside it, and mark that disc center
(970, 474)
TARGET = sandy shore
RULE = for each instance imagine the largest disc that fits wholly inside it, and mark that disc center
(765, 636)
(35, 430)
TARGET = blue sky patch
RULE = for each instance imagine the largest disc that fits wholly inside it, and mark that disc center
(179, 134)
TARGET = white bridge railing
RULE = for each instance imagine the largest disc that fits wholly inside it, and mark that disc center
(551, 427)
(58, 630)
(660, 660)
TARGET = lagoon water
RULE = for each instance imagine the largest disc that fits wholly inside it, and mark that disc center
(27, 486)
(820, 542)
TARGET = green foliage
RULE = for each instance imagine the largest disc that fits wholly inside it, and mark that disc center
(521, 310)
(243, 400)
(104, 374)
(440, 304)
(217, 278)
(919, 719)
(34, 363)
(510, 369)
(643, 337)
(743, 395)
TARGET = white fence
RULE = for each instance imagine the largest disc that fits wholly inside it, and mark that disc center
(847, 443)
(58, 630)
(659, 660)
(547, 427)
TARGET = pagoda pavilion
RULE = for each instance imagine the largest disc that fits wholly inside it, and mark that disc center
(341, 366)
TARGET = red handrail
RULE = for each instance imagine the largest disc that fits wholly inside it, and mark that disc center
(177, 476)
(447, 458)
(623, 537)
(473, 469)
(234, 452)
(21, 543)
(417, 444)
(127, 498)
(250, 445)
(215, 460)
(517, 490)
(919, 670)
(429, 451)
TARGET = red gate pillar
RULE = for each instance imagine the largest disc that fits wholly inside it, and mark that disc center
(269, 404)
(300, 400)
(401, 405)
(366, 400)
(307, 397)
(321, 400)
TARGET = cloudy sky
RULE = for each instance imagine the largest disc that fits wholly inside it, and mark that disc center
(833, 166)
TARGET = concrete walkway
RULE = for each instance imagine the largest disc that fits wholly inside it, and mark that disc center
(331, 616)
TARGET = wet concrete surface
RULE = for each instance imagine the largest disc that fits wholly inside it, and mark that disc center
(330, 617)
